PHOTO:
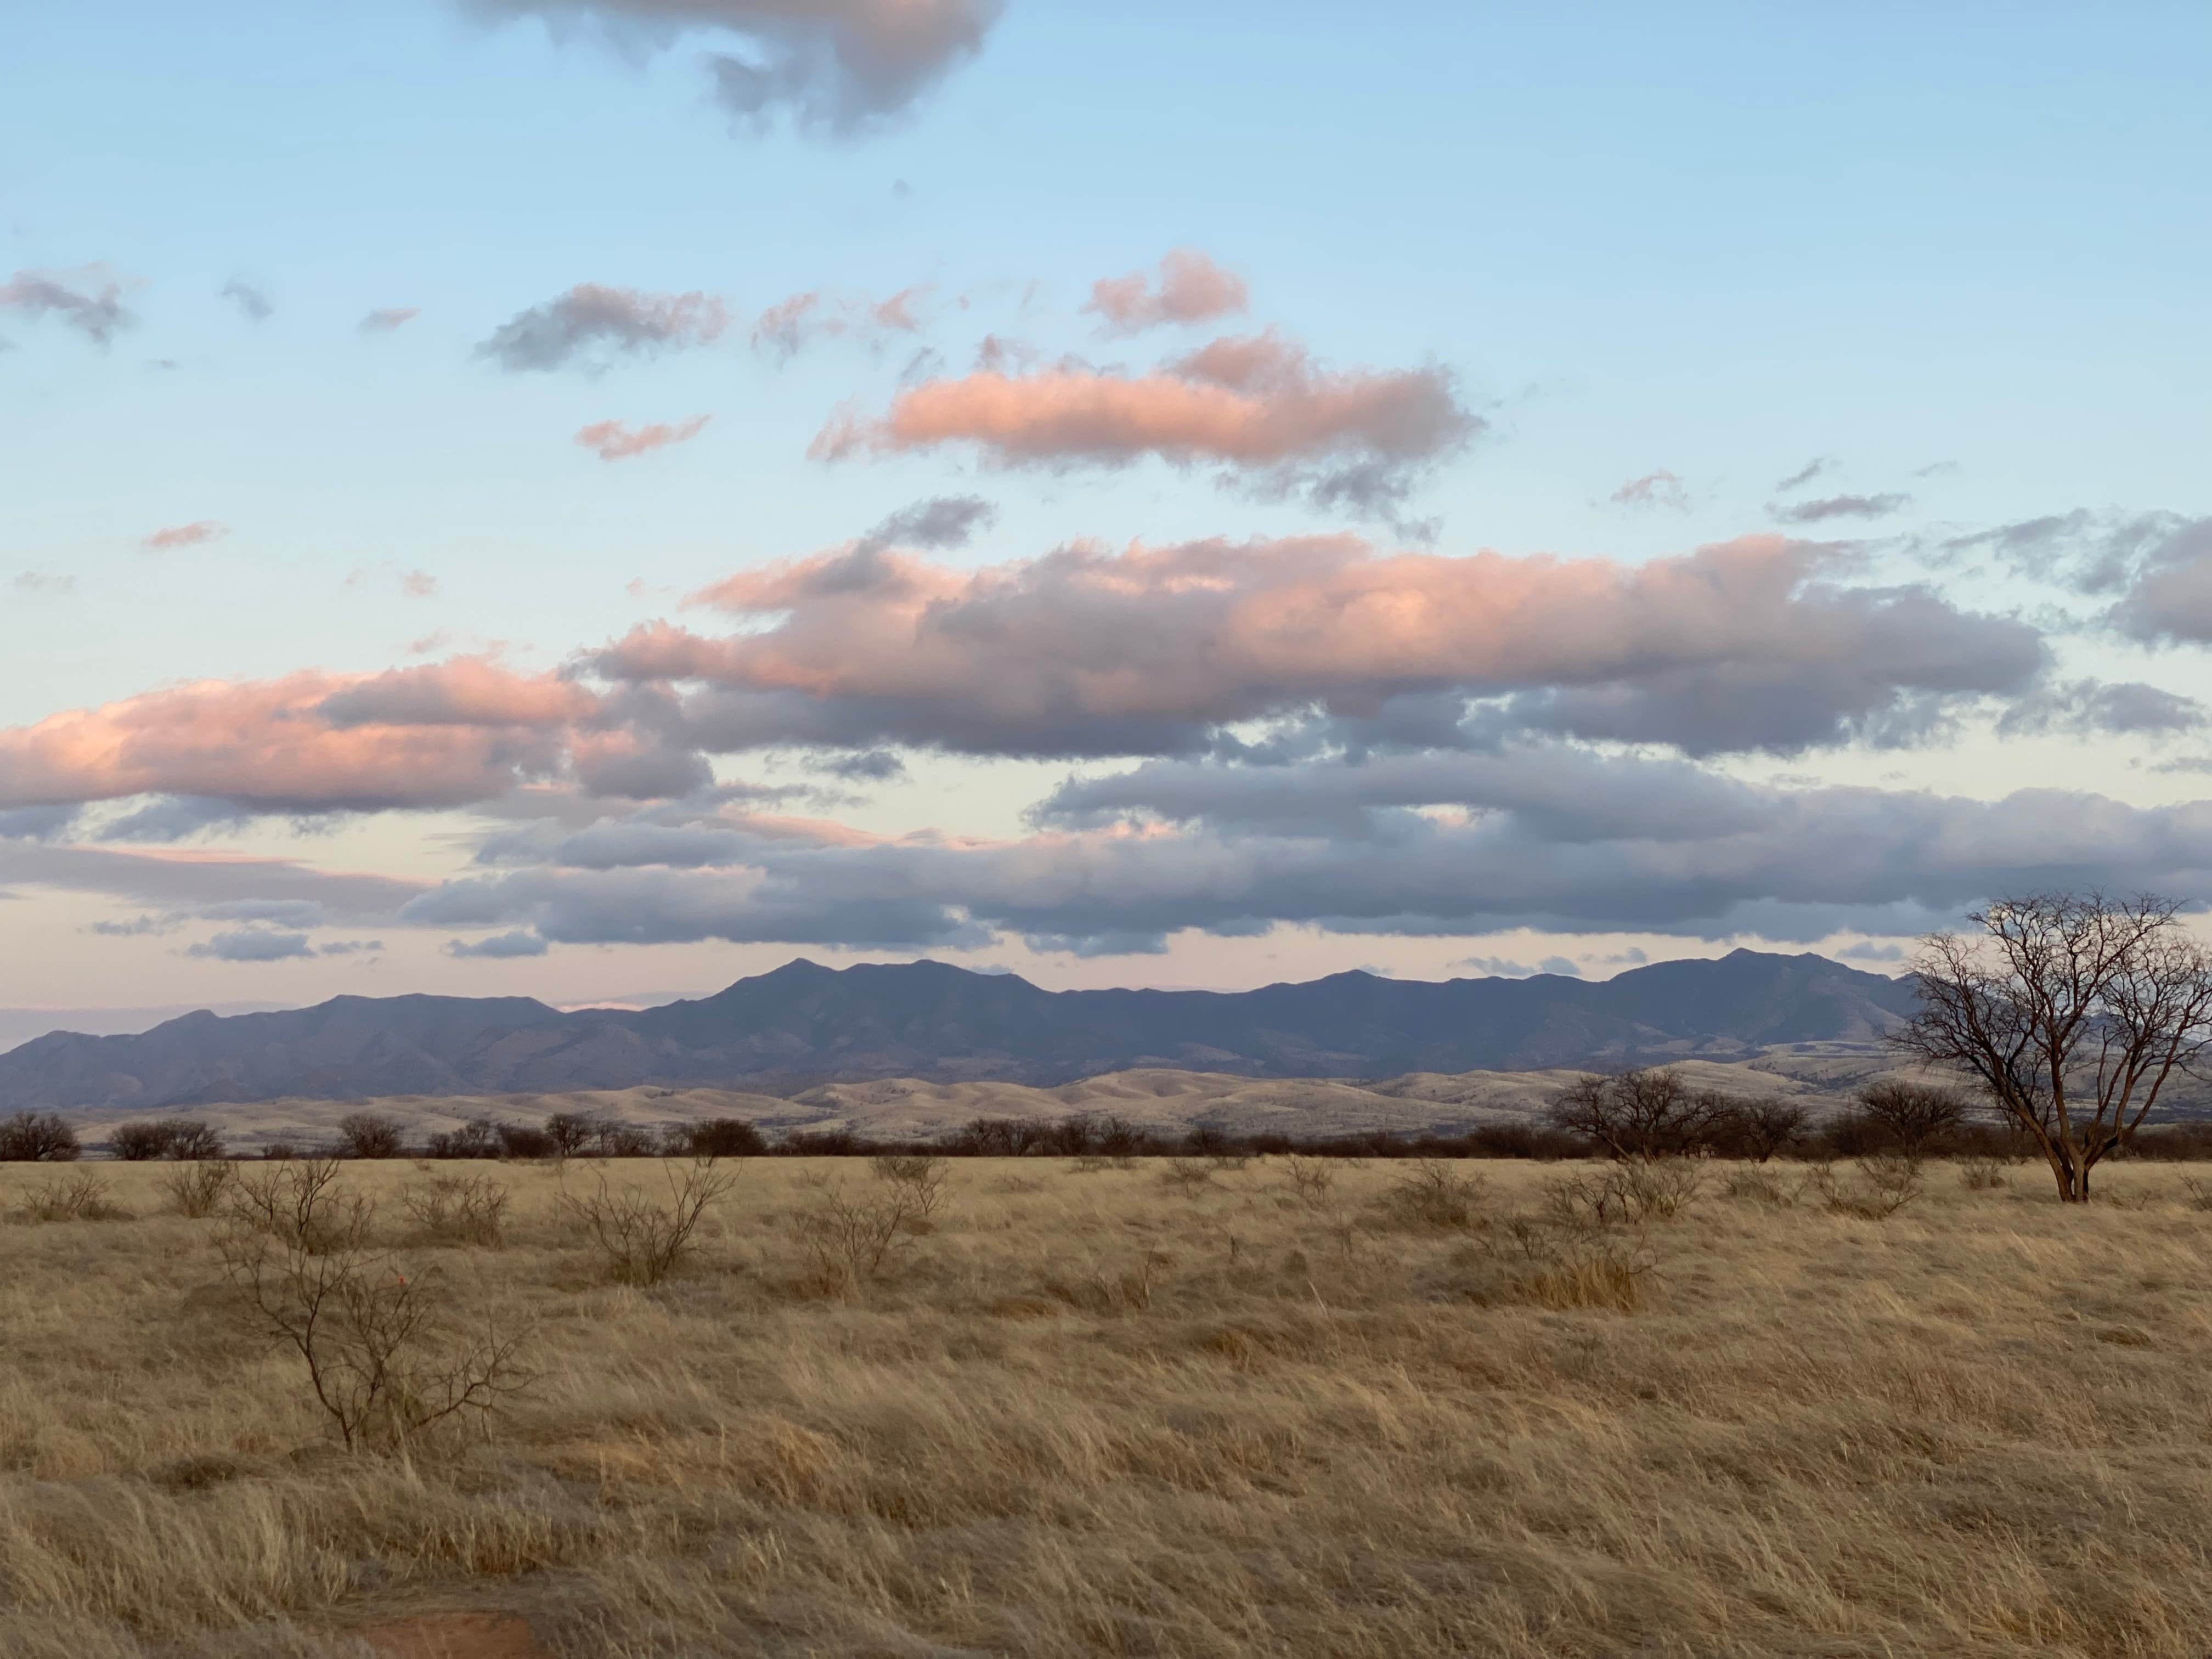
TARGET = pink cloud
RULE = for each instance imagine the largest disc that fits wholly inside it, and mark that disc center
(1090, 650)
(187, 535)
(1256, 404)
(1190, 288)
(459, 731)
(790, 326)
(615, 441)
(387, 318)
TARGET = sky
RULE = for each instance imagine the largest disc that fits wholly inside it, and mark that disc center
(590, 499)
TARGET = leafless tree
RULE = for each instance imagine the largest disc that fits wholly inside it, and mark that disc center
(1761, 1129)
(1649, 1113)
(1911, 1116)
(2073, 1012)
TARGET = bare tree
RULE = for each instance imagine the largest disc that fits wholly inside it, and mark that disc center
(1649, 1113)
(1911, 1116)
(2072, 1011)
(1761, 1129)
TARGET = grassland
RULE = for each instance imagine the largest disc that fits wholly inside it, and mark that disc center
(1169, 1409)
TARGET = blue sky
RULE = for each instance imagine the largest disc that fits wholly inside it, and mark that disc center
(1957, 250)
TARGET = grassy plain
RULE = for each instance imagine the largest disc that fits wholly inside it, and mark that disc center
(1161, 1410)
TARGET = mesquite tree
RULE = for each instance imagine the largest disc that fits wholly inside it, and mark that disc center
(2072, 1011)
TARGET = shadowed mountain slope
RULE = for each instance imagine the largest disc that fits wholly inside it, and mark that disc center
(804, 1024)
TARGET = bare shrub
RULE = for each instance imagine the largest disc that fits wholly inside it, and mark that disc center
(642, 1235)
(1982, 1175)
(2200, 1192)
(387, 1360)
(1879, 1186)
(369, 1134)
(37, 1138)
(1187, 1176)
(458, 1210)
(1761, 1129)
(196, 1191)
(479, 1137)
(720, 1137)
(81, 1196)
(1431, 1195)
(856, 1241)
(299, 1206)
(1312, 1179)
(1548, 1261)
(922, 1175)
(1626, 1195)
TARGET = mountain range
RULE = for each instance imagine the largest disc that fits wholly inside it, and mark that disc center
(804, 1024)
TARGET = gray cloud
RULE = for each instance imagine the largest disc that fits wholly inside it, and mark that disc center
(252, 944)
(1841, 506)
(189, 883)
(499, 947)
(833, 67)
(1660, 489)
(592, 318)
(385, 319)
(252, 304)
(940, 522)
(88, 301)
(1817, 467)
(39, 583)
(2092, 707)
(2156, 568)
(1551, 838)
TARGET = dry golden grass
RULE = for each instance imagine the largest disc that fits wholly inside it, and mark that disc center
(1231, 1413)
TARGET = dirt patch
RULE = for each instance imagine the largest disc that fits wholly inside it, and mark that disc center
(455, 1636)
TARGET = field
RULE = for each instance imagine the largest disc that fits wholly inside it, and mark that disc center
(1381, 1410)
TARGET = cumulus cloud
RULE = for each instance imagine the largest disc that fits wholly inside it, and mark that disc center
(790, 326)
(384, 320)
(88, 300)
(1747, 645)
(252, 304)
(591, 320)
(1256, 406)
(1830, 507)
(440, 736)
(1189, 287)
(832, 67)
(1660, 489)
(196, 534)
(613, 441)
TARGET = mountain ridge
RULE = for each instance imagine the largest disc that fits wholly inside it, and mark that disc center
(803, 1024)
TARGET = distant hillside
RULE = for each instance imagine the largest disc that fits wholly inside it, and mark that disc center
(804, 1025)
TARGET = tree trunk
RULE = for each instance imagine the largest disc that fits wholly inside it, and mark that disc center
(2071, 1171)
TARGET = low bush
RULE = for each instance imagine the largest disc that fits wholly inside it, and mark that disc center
(1433, 1196)
(196, 1191)
(81, 1196)
(642, 1235)
(458, 1210)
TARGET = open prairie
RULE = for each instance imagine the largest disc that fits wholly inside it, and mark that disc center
(1174, 1409)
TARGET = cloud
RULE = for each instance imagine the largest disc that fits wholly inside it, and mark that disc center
(591, 316)
(940, 522)
(790, 326)
(837, 68)
(1190, 288)
(1660, 489)
(441, 736)
(1746, 645)
(614, 441)
(88, 300)
(189, 881)
(1817, 467)
(413, 584)
(2169, 599)
(1866, 949)
(1256, 406)
(2156, 568)
(386, 319)
(196, 534)
(499, 947)
(40, 584)
(252, 304)
(1547, 837)
(2092, 707)
(1841, 506)
(252, 944)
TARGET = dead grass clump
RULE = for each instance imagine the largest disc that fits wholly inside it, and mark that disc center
(1431, 1195)
(81, 1196)
(1755, 1184)
(196, 1191)
(1312, 1179)
(1188, 1176)
(640, 1236)
(1603, 1275)
(2200, 1192)
(1100, 1290)
(459, 1210)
